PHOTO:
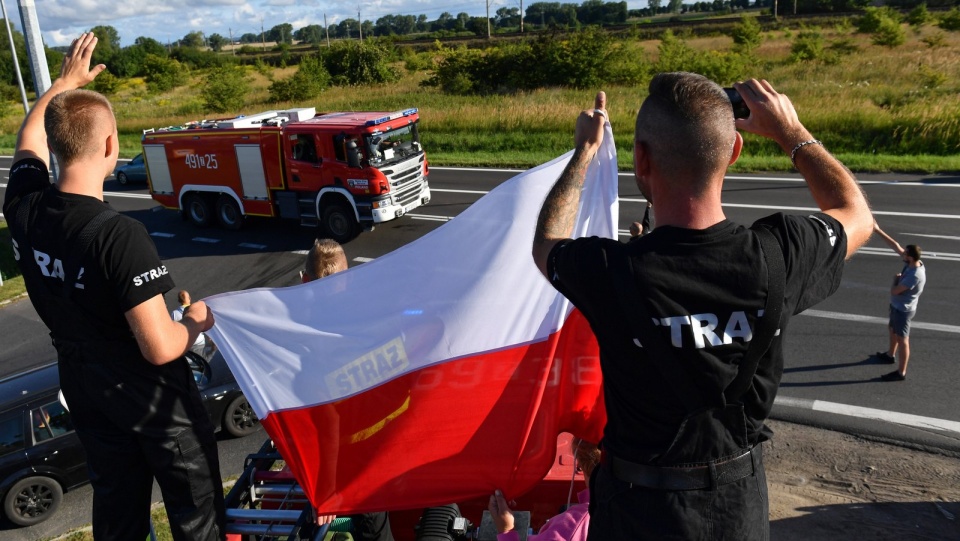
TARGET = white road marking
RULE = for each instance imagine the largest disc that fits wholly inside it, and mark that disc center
(445, 190)
(946, 256)
(128, 195)
(948, 237)
(164, 235)
(953, 329)
(254, 246)
(363, 259)
(906, 419)
(300, 252)
(205, 239)
(430, 218)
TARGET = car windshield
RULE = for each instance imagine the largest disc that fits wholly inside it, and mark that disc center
(393, 146)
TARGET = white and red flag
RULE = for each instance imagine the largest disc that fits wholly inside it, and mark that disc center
(436, 373)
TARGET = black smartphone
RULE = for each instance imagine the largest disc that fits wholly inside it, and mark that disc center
(740, 109)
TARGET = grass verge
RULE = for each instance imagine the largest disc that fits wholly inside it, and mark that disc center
(13, 286)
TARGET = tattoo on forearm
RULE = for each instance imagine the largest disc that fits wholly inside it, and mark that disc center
(560, 207)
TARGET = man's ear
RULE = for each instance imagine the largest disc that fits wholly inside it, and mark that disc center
(641, 160)
(110, 145)
(737, 147)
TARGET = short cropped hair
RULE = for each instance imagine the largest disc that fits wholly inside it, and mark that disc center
(73, 120)
(913, 251)
(687, 125)
(184, 297)
(326, 257)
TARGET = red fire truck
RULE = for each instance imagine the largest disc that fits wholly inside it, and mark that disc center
(343, 171)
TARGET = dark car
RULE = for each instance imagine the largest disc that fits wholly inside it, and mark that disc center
(41, 455)
(225, 403)
(134, 170)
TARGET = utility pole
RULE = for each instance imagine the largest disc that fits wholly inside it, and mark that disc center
(360, 24)
(38, 59)
(488, 19)
(326, 29)
(263, 37)
(521, 16)
(16, 66)
(233, 50)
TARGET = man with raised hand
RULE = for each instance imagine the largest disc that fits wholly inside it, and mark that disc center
(96, 281)
(680, 313)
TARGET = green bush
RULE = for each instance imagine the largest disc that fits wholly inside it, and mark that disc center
(747, 34)
(919, 15)
(950, 20)
(586, 59)
(808, 45)
(163, 74)
(889, 34)
(418, 62)
(225, 89)
(674, 54)
(310, 80)
(873, 18)
(358, 63)
(106, 83)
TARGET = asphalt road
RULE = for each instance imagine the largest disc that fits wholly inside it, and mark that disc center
(830, 379)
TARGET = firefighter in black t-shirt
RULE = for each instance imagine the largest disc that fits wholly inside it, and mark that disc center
(97, 282)
(675, 311)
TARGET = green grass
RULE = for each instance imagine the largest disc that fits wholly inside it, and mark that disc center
(881, 109)
(9, 271)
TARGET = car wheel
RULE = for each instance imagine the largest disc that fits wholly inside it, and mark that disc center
(239, 419)
(122, 178)
(197, 209)
(339, 223)
(32, 500)
(228, 213)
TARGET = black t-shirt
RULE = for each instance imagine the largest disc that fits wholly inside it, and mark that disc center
(120, 270)
(704, 289)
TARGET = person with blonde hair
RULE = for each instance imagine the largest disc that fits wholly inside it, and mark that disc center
(324, 258)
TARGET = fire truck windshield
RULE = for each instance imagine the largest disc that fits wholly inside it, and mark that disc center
(393, 146)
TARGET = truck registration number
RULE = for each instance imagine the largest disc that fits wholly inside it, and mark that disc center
(201, 161)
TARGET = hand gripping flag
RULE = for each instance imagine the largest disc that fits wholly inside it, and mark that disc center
(436, 373)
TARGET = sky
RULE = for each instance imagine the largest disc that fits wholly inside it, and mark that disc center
(169, 20)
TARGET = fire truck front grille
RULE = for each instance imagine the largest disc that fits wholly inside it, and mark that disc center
(406, 180)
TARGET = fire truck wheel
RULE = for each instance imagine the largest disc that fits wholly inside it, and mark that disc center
(197, 209)
(228, 213)
(339, 223)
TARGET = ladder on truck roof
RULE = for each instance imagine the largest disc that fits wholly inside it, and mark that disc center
(267, 503)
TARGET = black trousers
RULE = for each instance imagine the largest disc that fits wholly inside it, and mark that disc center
(738, 511)
(138, 423)
(372, 527)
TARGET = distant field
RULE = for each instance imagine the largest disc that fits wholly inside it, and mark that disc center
(878, 108)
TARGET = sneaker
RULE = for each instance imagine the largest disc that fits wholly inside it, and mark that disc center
(893, 376)
(885, 357)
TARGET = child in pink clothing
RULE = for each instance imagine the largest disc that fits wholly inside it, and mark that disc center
(571, 525)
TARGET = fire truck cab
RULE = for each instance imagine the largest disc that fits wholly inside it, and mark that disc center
(343, 171)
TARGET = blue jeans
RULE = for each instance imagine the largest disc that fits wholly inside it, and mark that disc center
(736, 511)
